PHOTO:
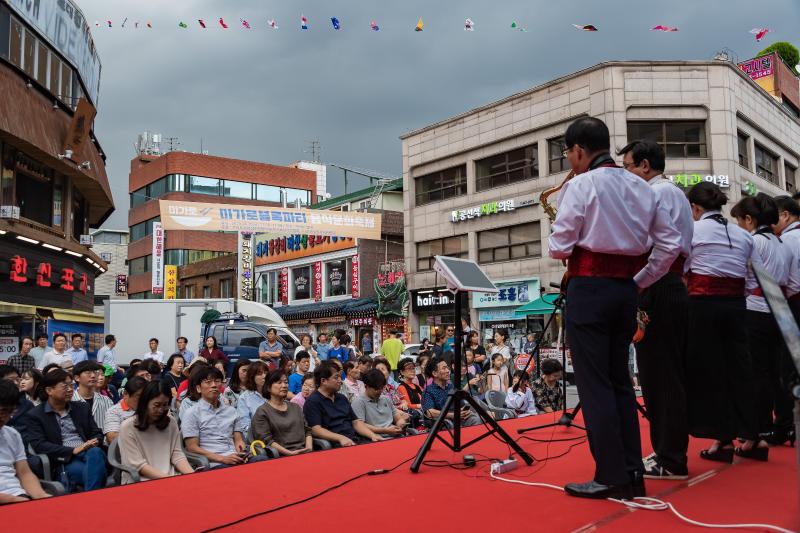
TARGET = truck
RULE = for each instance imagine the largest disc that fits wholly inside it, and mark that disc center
(239, 329)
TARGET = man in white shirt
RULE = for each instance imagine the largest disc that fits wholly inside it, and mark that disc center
(154, 352)
(41, 348)
(107, 355)
(77, 352)
(58, 354)
(17, 482)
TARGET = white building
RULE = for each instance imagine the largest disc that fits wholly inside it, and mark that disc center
(112, 247)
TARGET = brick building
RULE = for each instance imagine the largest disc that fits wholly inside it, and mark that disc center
(195, 177)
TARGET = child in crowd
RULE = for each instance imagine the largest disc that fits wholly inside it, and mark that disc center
(497, 376)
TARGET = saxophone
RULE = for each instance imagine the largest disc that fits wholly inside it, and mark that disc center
(549, 210)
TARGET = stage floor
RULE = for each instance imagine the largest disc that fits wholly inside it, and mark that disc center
(441, 499)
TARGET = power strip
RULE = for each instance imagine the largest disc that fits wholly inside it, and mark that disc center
(506, 466)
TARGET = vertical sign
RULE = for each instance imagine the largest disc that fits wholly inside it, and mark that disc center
(318, 281)
(158, 258)
(354, 276)
(285, 286)
(245, 266)
(170, 282)
(122, 284)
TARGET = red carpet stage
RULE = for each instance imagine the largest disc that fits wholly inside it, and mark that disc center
(443, 499)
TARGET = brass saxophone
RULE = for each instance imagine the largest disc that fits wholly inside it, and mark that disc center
(548, 208)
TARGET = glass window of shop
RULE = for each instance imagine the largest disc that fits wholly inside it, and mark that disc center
(337, 277)
(34, 197)
(509, 167)
(766, 164)
(451, 247)
(301, 283)
(514, 242)
(790, 173)
(201, 185)
(442, 185)
(5, 22)
(140, 265)
(555, 155)
(237, 189)
(679, 139)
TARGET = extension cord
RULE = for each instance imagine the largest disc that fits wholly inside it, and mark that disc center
(506, 466)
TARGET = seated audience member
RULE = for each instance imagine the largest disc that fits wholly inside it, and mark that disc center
(364, 364)
(409, 390)
(104, 386)
(329, 413)
(305, 391)
(209, 428)
(435, 395)
(192, 391)
(18, 417)
(66, 432)
(279, 423)
(124, 409)
(29, 384)
(17, 482)
(153, 367)
(352, 387)
(235, 385)
(302, 367)
(469, 382)
(86, 374)
(136, 369)
(251, 398)
(187, 370)
(150, 441)
(547, 389)
(377, 411)
(173, 375)
(522, 401)
(390, 390)
(422, 363)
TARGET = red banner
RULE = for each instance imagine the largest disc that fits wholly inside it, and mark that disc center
(285, 286)
(318, 281)
(354, 276)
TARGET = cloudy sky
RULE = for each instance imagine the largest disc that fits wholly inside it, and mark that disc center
(264, 94)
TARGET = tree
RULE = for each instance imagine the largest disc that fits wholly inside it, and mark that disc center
(787, 52)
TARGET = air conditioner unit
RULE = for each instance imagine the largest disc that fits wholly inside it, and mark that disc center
(9, 211)
(86, 240)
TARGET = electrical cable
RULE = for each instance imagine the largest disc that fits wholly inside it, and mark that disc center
(314, 496)
(651, 504)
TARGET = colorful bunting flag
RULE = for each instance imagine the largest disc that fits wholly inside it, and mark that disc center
(272, 24)
(420, 25)
(335, 23)
(183, 25)
(222, 23)
(760, 33)
(469, 25)
(663, 28)
(245, 24)
(374, 26)
(124, 22)
(515, 26)
(587, 27)
(109, 23)
(202, 23)
(303, 22)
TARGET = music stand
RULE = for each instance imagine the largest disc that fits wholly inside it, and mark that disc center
(463, 276)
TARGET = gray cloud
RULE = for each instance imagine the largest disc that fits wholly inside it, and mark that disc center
(263, 94)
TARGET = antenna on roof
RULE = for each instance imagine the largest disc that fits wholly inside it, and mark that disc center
(315, 149)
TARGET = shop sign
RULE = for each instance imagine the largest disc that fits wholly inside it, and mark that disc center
(497, 315)
(302, 285)
(318, 281)
(390, 273)
(284, 286)
(690, 180)
(354, 276)
(362, 321)
(245, 266)
(430, 299)
(170, 282)
(277, 249)
(511, 294)
(8, 346)
(490, 208)
(760, 67)
(20, 272)
(157, 278)
(336, 277)
(121, 285)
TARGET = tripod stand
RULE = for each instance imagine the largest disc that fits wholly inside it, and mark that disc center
(453, 405)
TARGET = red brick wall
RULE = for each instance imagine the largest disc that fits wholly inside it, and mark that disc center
(787, 84)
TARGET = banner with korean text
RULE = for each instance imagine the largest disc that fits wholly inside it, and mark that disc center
(170, 282)
(199, 216)
(158, 259)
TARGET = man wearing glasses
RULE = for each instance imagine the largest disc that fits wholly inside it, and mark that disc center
(86, 374)
(67, 433)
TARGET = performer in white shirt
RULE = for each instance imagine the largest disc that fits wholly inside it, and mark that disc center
(608, 220)
(660, 355)
(757, 214)
(718, 362)
(785, 374)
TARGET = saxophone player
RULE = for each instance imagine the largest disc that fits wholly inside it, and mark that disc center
(661, 353)
(607, 219)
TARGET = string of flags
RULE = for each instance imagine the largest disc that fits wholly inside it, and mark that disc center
(469, 25)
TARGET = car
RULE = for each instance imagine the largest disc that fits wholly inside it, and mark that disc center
(411, 350)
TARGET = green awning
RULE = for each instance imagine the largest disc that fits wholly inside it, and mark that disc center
(540, 306)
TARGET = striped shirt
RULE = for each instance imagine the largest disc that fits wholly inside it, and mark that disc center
(69, 433)
(100, 406)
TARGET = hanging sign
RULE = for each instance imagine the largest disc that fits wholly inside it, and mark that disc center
(318, 281)
(157, 278)
(245, 266)
(354, 276)
(170, 282)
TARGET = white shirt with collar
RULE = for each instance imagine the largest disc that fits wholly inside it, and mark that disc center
(158, 355)
(713, 255)
(63, 359)
(674, 201)
(791, 239)
(776, 259)
(609, 210)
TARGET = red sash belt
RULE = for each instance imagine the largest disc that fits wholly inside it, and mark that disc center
(701, 285)
(758, 292)
(584, 262)
(678, 265)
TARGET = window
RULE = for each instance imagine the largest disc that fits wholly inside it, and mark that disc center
(451, 246)
(140, 265)
(143, 229)
(5, 26)
(237, 189)
(268, 193)
(34, 198)
(66, 84)
(766, 164)
(41, 67)
(58, 193)
(106, 256)
(515, 242)
(243, 337)
(15, 44)
(175, 183)
(269, 288)
(225, 288)
(337, 276)
(741, 141)
(790, 173)
(555, 149)
(29, 61)
(157, 189)
(188, 292)
(219, 333)
(501, 169)
(200, 185)
(138, 197)
(206, 291)
(442, 185)
(301, 283)
(679, 139)
(293, 195)
(55, 73)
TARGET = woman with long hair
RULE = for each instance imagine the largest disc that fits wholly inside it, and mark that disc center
(719, 397)
(280, 423)
(235, 385)
(756, 215)
(29, 384)
(307, 345)
(150, 440)
(251, 398)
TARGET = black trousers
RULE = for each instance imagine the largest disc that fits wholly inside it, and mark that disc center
(661, 356)
(784, 377)
(766, 348)
(719, 373)
(601, 321)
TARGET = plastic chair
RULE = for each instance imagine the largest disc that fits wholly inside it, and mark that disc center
(496, 399)
(115, 460)
(322, 444)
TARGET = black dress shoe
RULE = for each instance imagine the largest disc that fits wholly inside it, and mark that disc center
(779, 437)
(721, 455)
(637, 484)
(598, 491)
(757, 453)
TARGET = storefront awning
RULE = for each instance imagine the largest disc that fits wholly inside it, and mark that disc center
(17, 309)
(351, 308)
(540, 306)
(69, 315)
